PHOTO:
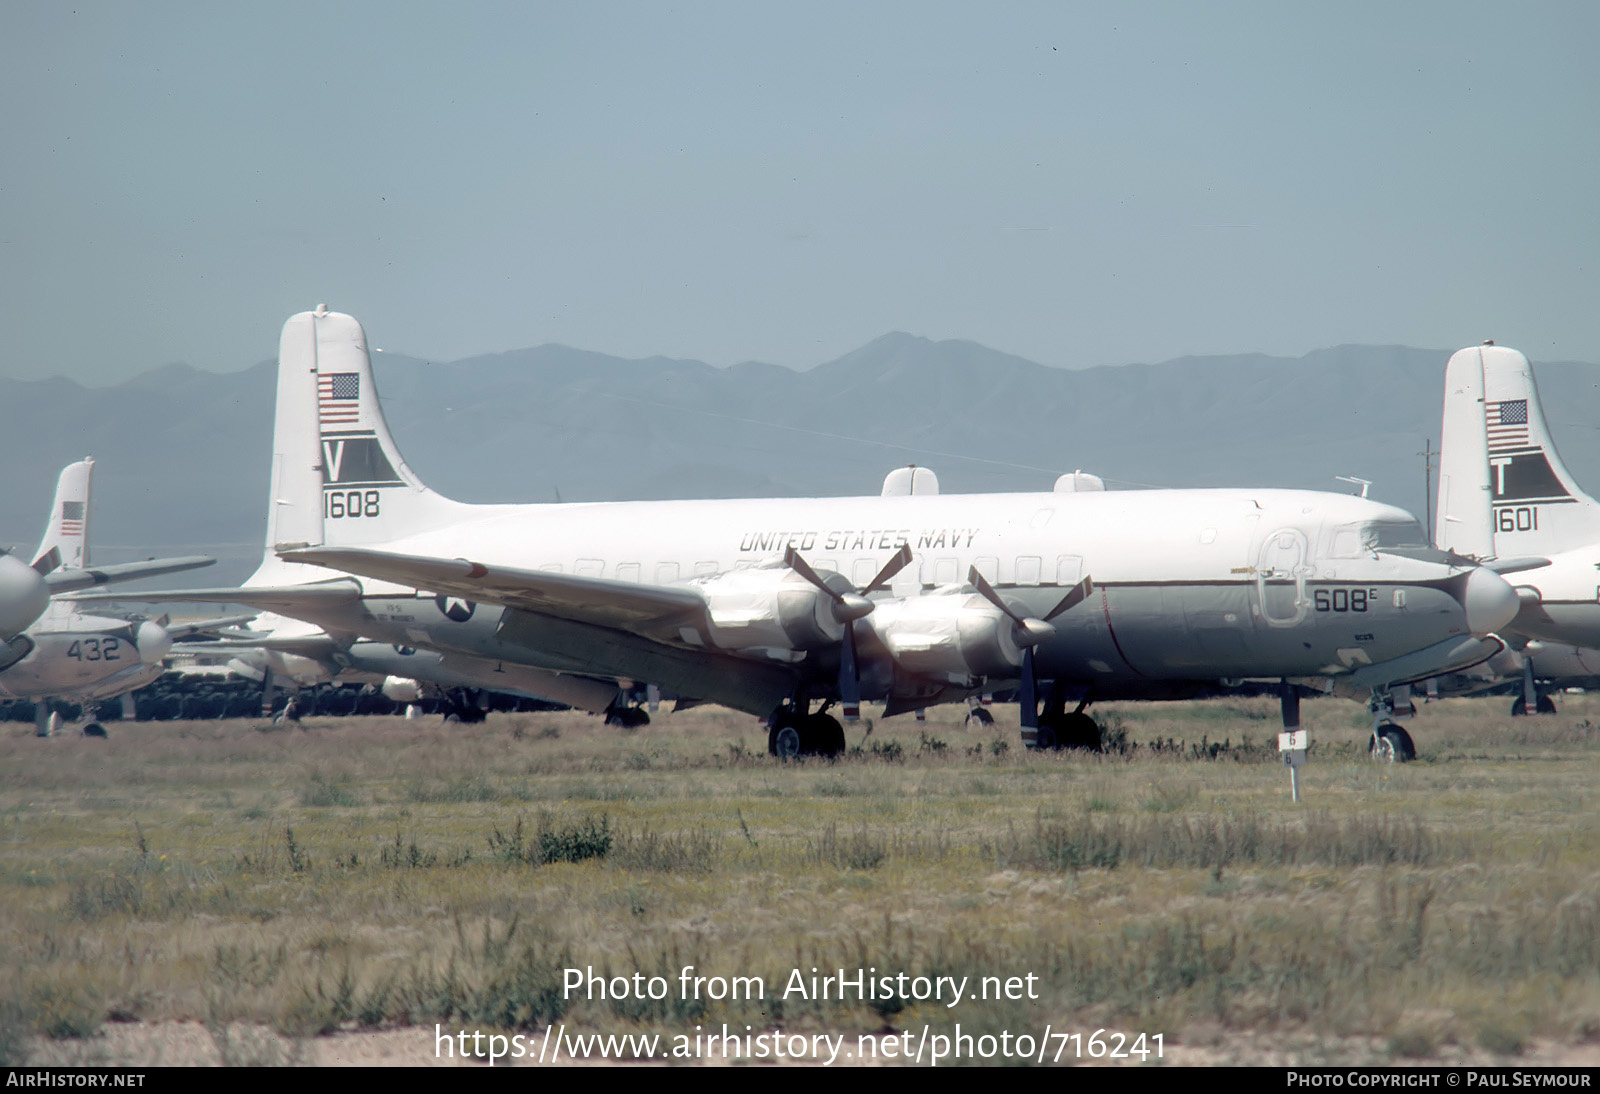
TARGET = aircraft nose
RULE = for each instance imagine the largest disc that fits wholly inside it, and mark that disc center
(1489, 600)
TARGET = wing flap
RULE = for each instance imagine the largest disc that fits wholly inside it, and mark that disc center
(601, 601)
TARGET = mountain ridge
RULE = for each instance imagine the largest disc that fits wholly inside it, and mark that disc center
(183, 452)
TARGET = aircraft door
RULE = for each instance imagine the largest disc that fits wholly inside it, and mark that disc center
(1281, 571)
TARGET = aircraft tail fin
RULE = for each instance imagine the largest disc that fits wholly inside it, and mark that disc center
(338, 478)
(1464, 513)
(67, 530)
(1538, 507)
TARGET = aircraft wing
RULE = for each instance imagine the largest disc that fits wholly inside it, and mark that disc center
(205, 626)
(591, 625)
(67, 581)
(624, 605)
(283, 599)
(311, 645)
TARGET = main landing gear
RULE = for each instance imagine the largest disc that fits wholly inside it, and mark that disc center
(1544, 705)
(467, 706)
(1532, 700)
(793, 733)
(1057, 728)
(627, 717)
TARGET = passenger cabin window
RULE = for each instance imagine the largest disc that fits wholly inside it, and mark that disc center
(863, 572)
(989, 567)
(944, 571)
(704, 569)
(666, 573)
(589, 567)
(1069, 569)
(1028, 570)
(628, 571)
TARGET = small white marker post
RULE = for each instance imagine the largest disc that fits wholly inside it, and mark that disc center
(1293, 745)
(1293, 741)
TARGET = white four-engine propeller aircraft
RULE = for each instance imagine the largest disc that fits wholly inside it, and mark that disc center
(1506, 497)
(67, 654)
(787, 607)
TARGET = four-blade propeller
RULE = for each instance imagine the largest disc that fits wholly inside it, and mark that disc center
(1029, 633)
(847, 608)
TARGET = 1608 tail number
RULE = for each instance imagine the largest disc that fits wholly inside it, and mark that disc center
(349, 503)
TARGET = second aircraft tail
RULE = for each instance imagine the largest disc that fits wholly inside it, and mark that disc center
(67, 530)
(1498, 448)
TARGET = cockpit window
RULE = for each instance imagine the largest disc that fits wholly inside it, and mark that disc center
(1356, 540)
(1383, 535)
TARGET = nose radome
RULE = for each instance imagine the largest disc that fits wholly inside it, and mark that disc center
(1489, 600)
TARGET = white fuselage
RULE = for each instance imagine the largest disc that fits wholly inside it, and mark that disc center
(81, 657)
(1191, 585)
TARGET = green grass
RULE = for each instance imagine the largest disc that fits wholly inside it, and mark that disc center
(371, 873)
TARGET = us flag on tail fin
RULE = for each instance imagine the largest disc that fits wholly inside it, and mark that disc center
(72, 518)
(1507, 423)
(339, 399)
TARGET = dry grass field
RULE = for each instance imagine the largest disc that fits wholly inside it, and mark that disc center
(240, 893)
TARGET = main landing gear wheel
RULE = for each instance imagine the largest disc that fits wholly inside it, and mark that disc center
(827, 735)
(784, 741)
(1391, 744)
(981, 716)
(1546, 705)
(1073, 729)
(94, 729)
(794, 735)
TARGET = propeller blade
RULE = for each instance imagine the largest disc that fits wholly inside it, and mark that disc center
(792, 559)
(986, 590)
(1075, 595)
(846, 606)
(901, 559)
(1030, 632)
(48, 561)
(1028, 696)
(849, 676)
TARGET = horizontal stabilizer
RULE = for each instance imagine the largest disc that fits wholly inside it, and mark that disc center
(67, 581)
(283, 599)
(1515, 565)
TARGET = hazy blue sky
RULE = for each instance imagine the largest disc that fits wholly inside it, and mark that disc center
(1078, 184)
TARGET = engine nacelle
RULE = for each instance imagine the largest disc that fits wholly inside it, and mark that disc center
(153, 641)
(398, 689)
(771, 607)
(23, 595)
(948, 635)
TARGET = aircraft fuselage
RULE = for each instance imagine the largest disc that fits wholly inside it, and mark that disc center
(1191, 585)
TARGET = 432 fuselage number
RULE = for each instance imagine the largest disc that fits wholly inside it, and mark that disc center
(96, 649)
